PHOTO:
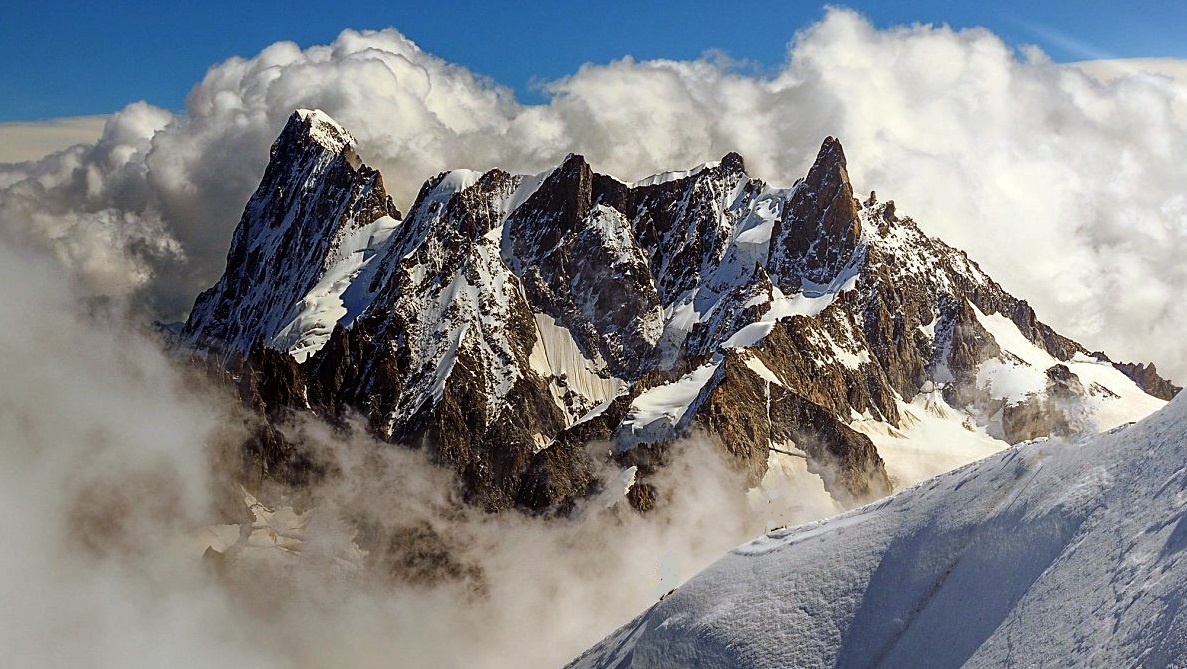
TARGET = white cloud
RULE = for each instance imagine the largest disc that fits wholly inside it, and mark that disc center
(102, 461)
(109, 472)
(1066, 186)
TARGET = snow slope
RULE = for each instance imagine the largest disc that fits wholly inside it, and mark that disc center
(657, 411)
(1115, 397)
(341, 293)
(1046, 554)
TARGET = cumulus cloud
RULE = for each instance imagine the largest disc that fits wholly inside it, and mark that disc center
(1064, 184)
(93, 207)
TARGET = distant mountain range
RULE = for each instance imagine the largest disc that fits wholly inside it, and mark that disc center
(530, 331)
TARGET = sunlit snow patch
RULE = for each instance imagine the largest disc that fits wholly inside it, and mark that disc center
(556, 356)
(1121, 401)
(810, 301)
(665, 177)
(341, 294)
(325, 130)
(655, 414)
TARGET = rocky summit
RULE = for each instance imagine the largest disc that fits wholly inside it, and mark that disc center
(534, 332)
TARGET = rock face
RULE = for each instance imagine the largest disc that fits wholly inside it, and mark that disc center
(820, 228)
(1147, 378)
(315, 200)
(531, 331)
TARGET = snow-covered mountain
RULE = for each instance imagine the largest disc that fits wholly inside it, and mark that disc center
(530, 329)
(1053, 553)
(316, 218)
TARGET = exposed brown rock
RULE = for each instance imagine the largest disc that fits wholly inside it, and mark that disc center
(820, 229)
(439, 357)
(1147, 378)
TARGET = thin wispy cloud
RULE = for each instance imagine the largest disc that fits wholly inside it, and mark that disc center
(1063, 40)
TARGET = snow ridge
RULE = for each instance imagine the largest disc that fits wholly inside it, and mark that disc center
(984, 566)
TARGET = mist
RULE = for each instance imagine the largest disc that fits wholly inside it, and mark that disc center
(112, 487)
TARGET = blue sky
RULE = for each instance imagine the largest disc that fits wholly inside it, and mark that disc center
(72, 57)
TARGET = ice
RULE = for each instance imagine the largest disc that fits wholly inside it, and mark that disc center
(757, 228)
(556, 355)
(789, 493)
(1010, 381)
(599, 409)
(781, 306)
(929, 329)
(618, 488)
(270, 534)
(340, 295)
(756, 365)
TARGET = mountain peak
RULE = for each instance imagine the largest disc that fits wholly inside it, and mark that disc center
(319, 127)
(829, 171)
(831, 151)
(573, 161)
(314, 199)
(510, 321)
(732, 163)
(820, 229)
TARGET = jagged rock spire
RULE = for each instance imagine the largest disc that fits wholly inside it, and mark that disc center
(732, 163)
(314, 191)
(819, 230)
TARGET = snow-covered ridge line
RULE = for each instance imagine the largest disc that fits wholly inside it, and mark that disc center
(665, 177)
(341, 294)
(984, 566)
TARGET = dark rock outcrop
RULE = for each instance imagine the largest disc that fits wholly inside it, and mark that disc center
(820, 228)
(1147, 378)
